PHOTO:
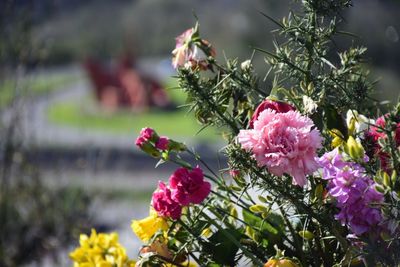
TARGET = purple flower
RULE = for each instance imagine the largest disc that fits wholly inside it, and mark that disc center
(354, 191)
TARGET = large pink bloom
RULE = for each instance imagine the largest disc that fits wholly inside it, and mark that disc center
(189, 186)
(163, 203)
(284, 143)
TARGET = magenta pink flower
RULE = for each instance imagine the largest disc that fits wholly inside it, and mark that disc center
(140, 141)
(146, 135)
(162, 143)
(163, 203)
(278, 106)
(372, 137)
(284, 143)
(189, 186)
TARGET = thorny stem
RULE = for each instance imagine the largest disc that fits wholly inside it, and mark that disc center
(233, 240)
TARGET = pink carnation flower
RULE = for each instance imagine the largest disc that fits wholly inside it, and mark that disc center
(146, 134)
(191, 51)
(140, 141)
(284, 143)
(189, 186)
(182, 51)
(163, 203)
(162, 143)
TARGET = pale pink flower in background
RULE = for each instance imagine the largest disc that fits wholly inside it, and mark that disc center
(191, 51)
(184, 38)
(180, 56)
(197, 57)
(284, 143)
(182, 50)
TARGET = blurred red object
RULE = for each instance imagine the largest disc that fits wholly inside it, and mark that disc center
(125, 86)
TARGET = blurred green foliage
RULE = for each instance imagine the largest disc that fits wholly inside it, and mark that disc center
(35, 220)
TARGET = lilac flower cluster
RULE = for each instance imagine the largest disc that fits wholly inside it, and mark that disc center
(354, 192)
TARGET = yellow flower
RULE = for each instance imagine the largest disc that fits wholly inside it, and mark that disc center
(100, 250)
(273, 262)
(148, 226)
(338, 138)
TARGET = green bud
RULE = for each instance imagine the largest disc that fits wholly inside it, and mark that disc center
(378, 179)
(264, 215)
(310, 87)
(235, 188)
(151, 150)
(393, 178)
(176, 146)
(251, 233)
(318, 192)
(307, 235)
(303, 86)
(265, 199)
(165, 155)
(380, 189)
(258, 208)
(352, 127)
(385, 236)
(354, 149)
(386, 180)
(234, 212)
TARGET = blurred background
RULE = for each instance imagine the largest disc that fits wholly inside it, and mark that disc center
(79, 79)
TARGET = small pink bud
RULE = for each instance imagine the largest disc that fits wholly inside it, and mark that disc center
(147, 133)
(140, 141)
(162, 143)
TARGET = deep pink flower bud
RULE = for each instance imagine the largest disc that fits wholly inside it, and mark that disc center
(140, 141)
(189, 187)
(278, 106)
(147, 133)
(162, 143)
(163, 203)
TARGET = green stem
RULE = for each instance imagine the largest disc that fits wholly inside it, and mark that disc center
(297, 243)
(233, 240)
